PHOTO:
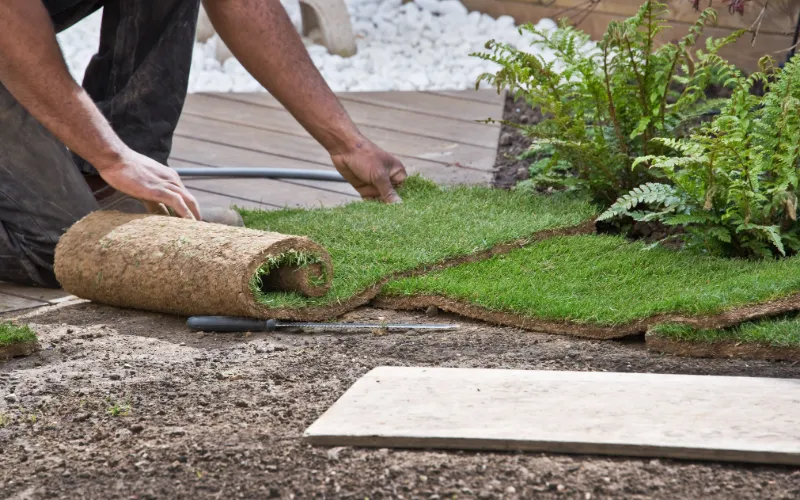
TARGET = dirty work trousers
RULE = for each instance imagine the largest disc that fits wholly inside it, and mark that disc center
(138, 78)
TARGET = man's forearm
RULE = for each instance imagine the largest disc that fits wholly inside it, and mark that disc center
(261, 36)
(33, 70)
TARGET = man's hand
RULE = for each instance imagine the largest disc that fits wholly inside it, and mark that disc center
(373, 172)
(262, 37)
(151, 183)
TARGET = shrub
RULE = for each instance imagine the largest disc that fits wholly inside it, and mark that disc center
(733, 184)
(606, 103)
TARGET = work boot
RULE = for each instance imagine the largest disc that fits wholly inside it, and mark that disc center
(110, 199)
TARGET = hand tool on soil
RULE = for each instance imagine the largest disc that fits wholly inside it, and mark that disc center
(222, 324)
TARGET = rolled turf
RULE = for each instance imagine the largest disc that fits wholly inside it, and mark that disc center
(185, 267)
(604, 287)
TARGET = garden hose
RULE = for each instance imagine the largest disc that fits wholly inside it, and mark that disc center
(263, 173)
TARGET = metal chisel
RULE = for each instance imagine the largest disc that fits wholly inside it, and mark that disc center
(223, 324)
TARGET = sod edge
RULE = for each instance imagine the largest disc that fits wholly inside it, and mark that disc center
(17, 341)
(775, 339)
(603, 287)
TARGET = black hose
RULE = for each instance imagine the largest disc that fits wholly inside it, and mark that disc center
(263, 173)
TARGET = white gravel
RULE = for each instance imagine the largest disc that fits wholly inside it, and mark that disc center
(420, 45)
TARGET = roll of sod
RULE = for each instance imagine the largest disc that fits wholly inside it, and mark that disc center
(185, 267)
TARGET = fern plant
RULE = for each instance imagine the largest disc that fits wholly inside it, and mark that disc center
(606, 103)
(734, 181)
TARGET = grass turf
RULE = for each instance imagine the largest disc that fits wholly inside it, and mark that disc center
(369, 240)
(605, 281)
(11, 334)
(784, 332)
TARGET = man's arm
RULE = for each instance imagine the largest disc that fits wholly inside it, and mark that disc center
(33, 70)
(261, 36)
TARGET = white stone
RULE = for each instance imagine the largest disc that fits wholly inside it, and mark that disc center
(423, 44)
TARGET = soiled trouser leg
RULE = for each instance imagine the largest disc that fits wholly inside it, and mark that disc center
(138, 79)
(41, 194)
(140, 74)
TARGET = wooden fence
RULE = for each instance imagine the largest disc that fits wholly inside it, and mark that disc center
(775, 32)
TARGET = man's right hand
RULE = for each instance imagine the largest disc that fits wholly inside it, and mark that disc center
(151, 183)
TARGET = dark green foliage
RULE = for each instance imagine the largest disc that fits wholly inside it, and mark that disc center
(607, 103)
(734, 183)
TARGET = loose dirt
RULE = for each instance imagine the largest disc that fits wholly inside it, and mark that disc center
(121, 403)
(508, 169)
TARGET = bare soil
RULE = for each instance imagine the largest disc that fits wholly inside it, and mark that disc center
(126, 404)
(508, 169)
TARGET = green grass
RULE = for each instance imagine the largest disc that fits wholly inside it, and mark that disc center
(369, 240)
(289, 258)
(783, 332)
(14, 334)
(606, 281)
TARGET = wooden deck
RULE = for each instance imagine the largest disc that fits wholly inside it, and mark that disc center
(437, 134)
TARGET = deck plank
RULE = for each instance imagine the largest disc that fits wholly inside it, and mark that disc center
(205, 198)
(10, 303)
(270, 192)
(398, 143)
(398, 120)
(428, 104)
(488, 96)
(193, 152)
(50, 295)
(308, 150)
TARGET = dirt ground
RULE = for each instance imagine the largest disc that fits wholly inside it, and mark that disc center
(123, 404)
(508, 170)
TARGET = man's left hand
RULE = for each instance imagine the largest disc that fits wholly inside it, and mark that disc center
(373, 172)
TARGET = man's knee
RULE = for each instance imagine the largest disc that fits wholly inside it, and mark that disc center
(28, 246)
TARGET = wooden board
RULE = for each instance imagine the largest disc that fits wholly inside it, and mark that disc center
(484, 95)
(50, 295)
(428, 104)
(651, 415)
(397, 120)
(309, 151)
(743, 53)
(779, 17)
(186, 150)
(10, 303)
(281, 125)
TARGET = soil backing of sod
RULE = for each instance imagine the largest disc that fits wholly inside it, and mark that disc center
(17, 341)
(600, 286)
(769, 339)
(371, 243)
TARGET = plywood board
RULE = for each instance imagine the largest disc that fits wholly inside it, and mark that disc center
(651, 415)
